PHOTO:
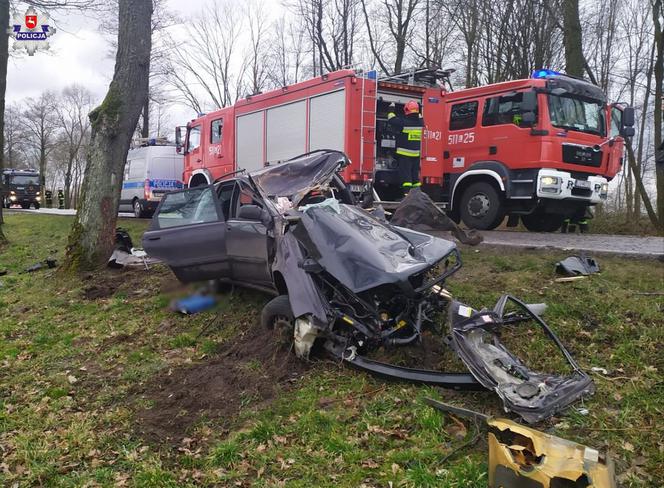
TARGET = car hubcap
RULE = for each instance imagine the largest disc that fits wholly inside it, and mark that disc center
(478, 205)
(137, 209)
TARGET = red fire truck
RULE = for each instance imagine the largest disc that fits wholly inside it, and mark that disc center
(542, 148)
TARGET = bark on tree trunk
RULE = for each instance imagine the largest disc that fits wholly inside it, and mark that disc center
(145, 128)
(659, 80)
(91, 238)
(574, 60)
(4, 57)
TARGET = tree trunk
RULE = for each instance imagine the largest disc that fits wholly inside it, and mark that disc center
(4, 57)
(145, 128)
(631, 160)
(574, 60)
(91, 238)
(659, 79)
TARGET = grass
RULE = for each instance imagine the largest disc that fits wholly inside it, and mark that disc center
(69, 369)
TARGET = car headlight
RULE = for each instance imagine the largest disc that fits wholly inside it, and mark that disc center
(550, 184)
(604, 190)
(12, 192)
(38, 198)
(12, 198)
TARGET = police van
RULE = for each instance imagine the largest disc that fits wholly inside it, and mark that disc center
(153, 168)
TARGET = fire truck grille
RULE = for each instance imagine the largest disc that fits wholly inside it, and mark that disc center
(581, 155)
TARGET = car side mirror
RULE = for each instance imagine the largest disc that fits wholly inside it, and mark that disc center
(250, 212)
(311, 266)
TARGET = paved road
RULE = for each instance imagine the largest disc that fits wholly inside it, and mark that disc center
(600, 243)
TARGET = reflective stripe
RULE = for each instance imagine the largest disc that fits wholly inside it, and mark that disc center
(417, 184)
(407, 184)
(390, 115)
(414, 133)
(415, 153)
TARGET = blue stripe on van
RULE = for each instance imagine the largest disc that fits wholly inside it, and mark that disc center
(155, 184)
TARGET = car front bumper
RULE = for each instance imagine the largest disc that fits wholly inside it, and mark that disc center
(592, 190)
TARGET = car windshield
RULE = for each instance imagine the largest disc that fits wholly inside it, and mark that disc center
(24, 180)
(575, 114)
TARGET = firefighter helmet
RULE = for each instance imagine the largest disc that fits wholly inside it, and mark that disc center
(411, 107)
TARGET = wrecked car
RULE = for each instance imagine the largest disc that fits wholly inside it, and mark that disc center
(342, 277)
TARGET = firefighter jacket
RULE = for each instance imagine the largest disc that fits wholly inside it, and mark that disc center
(408, 131)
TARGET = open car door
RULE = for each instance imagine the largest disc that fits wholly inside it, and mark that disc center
(188, 233)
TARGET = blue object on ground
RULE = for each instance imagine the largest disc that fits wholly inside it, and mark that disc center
(195, 304)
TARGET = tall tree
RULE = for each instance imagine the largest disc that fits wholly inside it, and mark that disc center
(40, 127)
(91, 238)
(4, 58)
(72, 109)
(657, 17)
(574, 60)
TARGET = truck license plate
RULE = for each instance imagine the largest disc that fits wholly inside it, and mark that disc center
(582, 184)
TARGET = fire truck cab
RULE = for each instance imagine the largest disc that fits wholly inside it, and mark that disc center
(542, 149)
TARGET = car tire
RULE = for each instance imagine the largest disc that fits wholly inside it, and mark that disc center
(541, 222)
(481, 206)
(139, 213)
(25, 206)
(277, 313)
(37, 206)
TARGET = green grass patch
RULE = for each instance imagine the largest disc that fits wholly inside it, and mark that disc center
(72, 371)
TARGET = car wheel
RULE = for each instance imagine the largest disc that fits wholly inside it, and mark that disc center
(138, 209)
(541, 222)
(277, 313)
(25, 206)
(37, 206)
(481, 206)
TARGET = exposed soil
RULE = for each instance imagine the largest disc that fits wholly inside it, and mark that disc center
(129, 281)
(247, 373)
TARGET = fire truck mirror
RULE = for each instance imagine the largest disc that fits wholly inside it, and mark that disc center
(627, 132)
(529, 103)
(178, 139)
(628, 117)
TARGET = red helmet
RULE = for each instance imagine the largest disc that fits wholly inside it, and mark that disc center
(411, 107)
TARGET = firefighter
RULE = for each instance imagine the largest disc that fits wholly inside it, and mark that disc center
(580, 218)
(408, 131)
(49, 198)
(61, 199)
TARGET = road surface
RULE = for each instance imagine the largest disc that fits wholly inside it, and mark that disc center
(57, 211)
(590, 243)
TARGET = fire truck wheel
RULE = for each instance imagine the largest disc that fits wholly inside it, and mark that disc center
(37, 206)
(541, 222)
(25, 206)
(139, 213)
(481, 206)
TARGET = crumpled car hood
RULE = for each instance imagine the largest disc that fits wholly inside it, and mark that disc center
(362, 252)
(296, 177)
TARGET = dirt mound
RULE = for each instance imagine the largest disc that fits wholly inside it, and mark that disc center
(247, 373)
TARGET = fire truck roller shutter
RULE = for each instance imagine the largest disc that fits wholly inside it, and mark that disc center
(327, 121)
(249, 141)
(286, 131)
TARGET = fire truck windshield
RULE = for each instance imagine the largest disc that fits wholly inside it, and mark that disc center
(24, 180)
(575, 114)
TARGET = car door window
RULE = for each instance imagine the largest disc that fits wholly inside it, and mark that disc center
(244, 196)
(194, 206)
(226, 197)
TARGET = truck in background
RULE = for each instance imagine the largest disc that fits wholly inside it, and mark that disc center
(541, 149)
(20, 187)
(153, 168)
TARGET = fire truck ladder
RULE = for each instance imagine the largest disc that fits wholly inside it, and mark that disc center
(367, 122)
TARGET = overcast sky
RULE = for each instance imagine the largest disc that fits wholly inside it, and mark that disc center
(79, 53)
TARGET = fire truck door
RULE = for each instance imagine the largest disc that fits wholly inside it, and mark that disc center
(431, 165)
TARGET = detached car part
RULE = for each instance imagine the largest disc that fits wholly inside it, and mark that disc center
(521, 457)
(577, 266)
(475, 336)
